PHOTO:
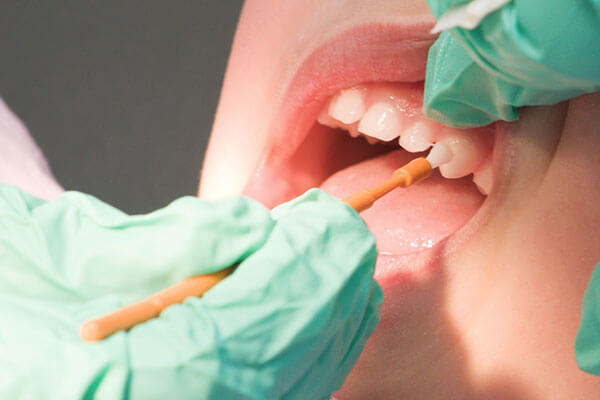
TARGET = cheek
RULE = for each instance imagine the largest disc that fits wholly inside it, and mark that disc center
(253, 82)
(573, 184)
(266, 39)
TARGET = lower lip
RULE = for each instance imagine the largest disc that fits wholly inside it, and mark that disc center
(404, 269)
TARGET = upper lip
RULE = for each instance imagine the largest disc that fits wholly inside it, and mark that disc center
(370, 52)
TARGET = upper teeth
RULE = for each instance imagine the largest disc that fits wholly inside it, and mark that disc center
(439, 154)
(384, 112)
(348, 106)
(468, 151)
(417, 137)
(381, 121)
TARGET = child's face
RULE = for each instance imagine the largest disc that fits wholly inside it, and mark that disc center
(482, 293)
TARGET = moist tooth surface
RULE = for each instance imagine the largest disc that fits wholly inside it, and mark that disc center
(417, 137)
(381, 121)
(348, 106)
(386, 112)
(439, 154)
(468, 151)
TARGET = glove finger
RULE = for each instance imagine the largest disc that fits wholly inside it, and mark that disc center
(587, 342)
(265, 326)
(313, 275)
(351, 341)
(459, 92)
(79, 244)
(552, 49)
(517, 56)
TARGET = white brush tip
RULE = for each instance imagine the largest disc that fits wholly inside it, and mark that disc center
(440, 154)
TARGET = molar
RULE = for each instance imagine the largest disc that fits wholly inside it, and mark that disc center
(468, 149)
(381, 121)
(348, 106)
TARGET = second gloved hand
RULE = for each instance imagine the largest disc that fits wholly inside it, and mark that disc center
(587, 343)
(289, 323)
(526, 53)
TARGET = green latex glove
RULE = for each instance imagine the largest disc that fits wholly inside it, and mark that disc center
(528, 52)
(587, 343)
(289, 323)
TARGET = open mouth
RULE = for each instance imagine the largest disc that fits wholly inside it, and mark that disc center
(352, 116)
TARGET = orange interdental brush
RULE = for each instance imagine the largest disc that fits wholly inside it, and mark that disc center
(134, 314)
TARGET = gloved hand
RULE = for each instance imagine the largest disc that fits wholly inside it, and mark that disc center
(528, 52)
(289, 323)
(587, 343)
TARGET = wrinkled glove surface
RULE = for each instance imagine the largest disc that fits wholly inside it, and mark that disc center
(289, 323)
(528, 52)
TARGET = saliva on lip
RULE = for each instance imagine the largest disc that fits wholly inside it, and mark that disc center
(387, 112)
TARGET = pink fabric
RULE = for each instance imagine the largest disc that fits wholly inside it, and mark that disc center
(22, 163)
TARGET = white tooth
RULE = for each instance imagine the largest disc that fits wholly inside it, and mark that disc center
(381, 121)
(468, 150)
(417, 137)
(325, 119)
(439, 154)
(483, 177)
(348, 106)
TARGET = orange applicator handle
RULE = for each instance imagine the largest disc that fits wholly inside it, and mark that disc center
(413, 172)
(150, 307)
(134, 314)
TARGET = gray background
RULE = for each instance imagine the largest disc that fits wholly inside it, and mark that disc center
(120, 95)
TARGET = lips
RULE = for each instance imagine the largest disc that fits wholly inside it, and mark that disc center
(367, 53)
(410, 226)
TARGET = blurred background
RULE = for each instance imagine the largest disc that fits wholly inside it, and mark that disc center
(120, 95)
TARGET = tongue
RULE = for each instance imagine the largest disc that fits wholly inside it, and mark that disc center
(413, 219)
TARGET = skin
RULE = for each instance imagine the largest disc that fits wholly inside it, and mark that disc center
(23, 163)
(498, 319)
